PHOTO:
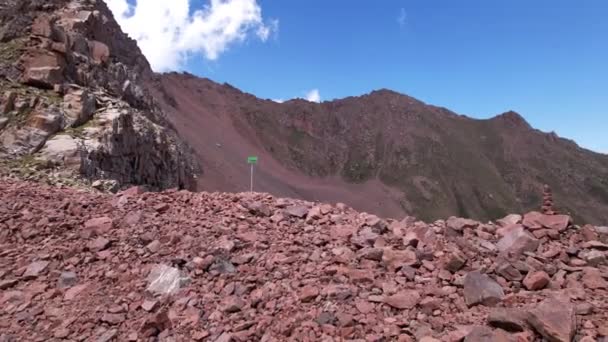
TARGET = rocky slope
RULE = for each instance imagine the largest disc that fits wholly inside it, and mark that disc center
(383, 152)
(73, 103)
(182, 266)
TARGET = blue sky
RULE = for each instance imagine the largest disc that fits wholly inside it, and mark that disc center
(547, 60)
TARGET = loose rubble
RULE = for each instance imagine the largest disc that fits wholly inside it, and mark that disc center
(182, 266)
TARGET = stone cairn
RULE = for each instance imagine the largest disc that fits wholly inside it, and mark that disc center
(547, 207)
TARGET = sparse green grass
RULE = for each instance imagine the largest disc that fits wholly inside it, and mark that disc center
(11, 51)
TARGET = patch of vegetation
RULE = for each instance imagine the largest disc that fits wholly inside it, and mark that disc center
(79, 131)
(11, 51)
(358, 168)
(297, 137)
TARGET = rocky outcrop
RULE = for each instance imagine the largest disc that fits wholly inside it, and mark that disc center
(73, 98)
(178, 265)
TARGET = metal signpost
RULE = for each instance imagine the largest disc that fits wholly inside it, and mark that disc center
(252, 160)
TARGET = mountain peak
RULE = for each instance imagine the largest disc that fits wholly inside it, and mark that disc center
(512, 118)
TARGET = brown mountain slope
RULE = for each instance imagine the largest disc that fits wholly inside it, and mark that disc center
(384, 152)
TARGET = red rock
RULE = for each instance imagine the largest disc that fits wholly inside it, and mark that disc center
(73, 292)
(297, 211)
(513, 320)
(458, 223)
(592, 279)
(99, 51)
(162, 207)
(509, 220)
(481, 289)
(149, 305)
(99, 225)
(99, 244)
(406, 299)
(153, 246)
(536, 280)
(454, 261)
(308, 293)
(395, 259)
(518, 241)
(67, 280)
(232, 304)
(364, 307)
(536, 220)
(554, 319)
(113, 319)
(35, 269)
(361, 276)
(485, 334)
(508, 271)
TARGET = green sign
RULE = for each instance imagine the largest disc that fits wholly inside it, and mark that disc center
(252, 160)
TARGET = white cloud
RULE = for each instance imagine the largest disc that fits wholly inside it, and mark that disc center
(168, 33)
(402, 17)
(313, 96)
(278, 100)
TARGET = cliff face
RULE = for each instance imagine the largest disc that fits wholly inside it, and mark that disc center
(73, 99)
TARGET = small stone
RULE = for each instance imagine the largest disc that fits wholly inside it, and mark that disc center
(455, 260)
(458, 223)
(99, 244)
(403, 300)
(153, 246)
(485, 334)
(166, 280)
(308, 293)
(595, 258)
(536, 280)
(61, 332)
(108, 336)
(113, 319)
(592, 279)
(74, 291)
(326, 318)
(297, 211)
(481, 289)
(233, 304)
(6, 284)
(509, 272)
(225, 337)
(35, 269)
(396, 259)
(149, 305)
(67, 279)
(99, 225)
(513, 320)
(162, 208)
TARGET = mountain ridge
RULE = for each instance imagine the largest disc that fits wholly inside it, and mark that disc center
(359, 140)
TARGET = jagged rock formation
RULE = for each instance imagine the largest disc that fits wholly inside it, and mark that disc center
(182, 266)
(73, 98)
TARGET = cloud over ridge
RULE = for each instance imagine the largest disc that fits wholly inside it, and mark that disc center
(169, 32)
